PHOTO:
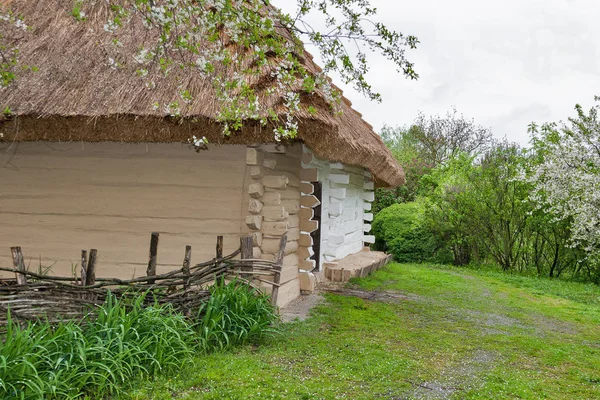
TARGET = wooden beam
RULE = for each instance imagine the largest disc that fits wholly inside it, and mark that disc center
(307, 188)
(309, 201)
(309, 175)
(84, 256)
(187, 261)
(219, 248)
(19, 264)
(256, 190)
(254, 156)
(279, 262)
(247, 252)
(151, 270)
(90, 278)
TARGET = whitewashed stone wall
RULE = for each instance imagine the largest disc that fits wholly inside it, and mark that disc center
(347, 193)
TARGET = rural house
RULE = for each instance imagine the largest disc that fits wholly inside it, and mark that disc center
(86, 161)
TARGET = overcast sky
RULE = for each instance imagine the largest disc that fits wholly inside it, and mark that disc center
(504, 63)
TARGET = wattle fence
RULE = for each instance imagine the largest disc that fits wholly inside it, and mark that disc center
(32, 296)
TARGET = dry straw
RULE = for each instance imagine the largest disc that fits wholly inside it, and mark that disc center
(77, 96)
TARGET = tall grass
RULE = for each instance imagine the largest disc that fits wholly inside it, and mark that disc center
(120, 342)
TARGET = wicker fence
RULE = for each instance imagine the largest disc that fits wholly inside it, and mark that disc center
(32, 295)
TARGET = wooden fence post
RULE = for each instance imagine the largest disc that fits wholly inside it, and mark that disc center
(151, 270)
(84, 257)
(90, 276)
(187, 260)
(19, 264)
(279, 263)
(246, 248)
(219, 249)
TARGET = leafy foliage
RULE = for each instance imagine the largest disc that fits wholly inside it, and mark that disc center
(401, 231)
(121, 341)
(234, 315)
(566, 181)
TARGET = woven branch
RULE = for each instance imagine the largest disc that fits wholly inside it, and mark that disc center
(55, 298)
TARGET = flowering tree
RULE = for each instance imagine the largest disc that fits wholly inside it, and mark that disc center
(566, 179)
(232, 43)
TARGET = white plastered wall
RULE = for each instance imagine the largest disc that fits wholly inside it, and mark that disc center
(347, 193)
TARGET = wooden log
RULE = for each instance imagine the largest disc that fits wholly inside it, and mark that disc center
(270, 246)
(254, 222)
(271, 198)
(309, 226)
(294, 221)
(369, 196)
(187, 261)
(279, 262)
(304, 253)
(335, 209)
(274, 213)
(369, 185)
(219, 247)
(254, 156)
(293, 234)
(291, 247)
(293, 180)
(256, 190)
(257, 238)
(369, 239)
(90, 278)
(270, 163)
(256, 172)
(291, 206)
(306, 240)
(151, 270)
(307, 158)
(309, 201)
(306, 214)
(309, 175)
(84, 256)
(274, 148)
(247, 253)
(276, 181)
(307, 265)
(341, 178)
(368, 217)
(307, 188)
(290, 193)
(338, 193)
(19, 264)
(255, 206)
(275, 229)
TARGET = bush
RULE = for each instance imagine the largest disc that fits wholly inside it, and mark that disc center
(121, 341)
(401, 231)
(235, 314)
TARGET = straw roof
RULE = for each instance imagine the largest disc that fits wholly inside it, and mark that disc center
(76, 96)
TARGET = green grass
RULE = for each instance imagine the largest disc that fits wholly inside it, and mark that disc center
(459, 333)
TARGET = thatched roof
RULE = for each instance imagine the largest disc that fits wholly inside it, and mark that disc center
(76, 96)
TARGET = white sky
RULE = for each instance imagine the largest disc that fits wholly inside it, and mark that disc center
(504, 63)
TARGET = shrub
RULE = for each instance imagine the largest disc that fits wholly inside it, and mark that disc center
(401, 231)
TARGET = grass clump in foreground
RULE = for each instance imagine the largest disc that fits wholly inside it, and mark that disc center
(431, 332)
(120, 342)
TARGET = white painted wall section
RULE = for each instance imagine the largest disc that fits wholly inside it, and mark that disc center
(347, 193)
